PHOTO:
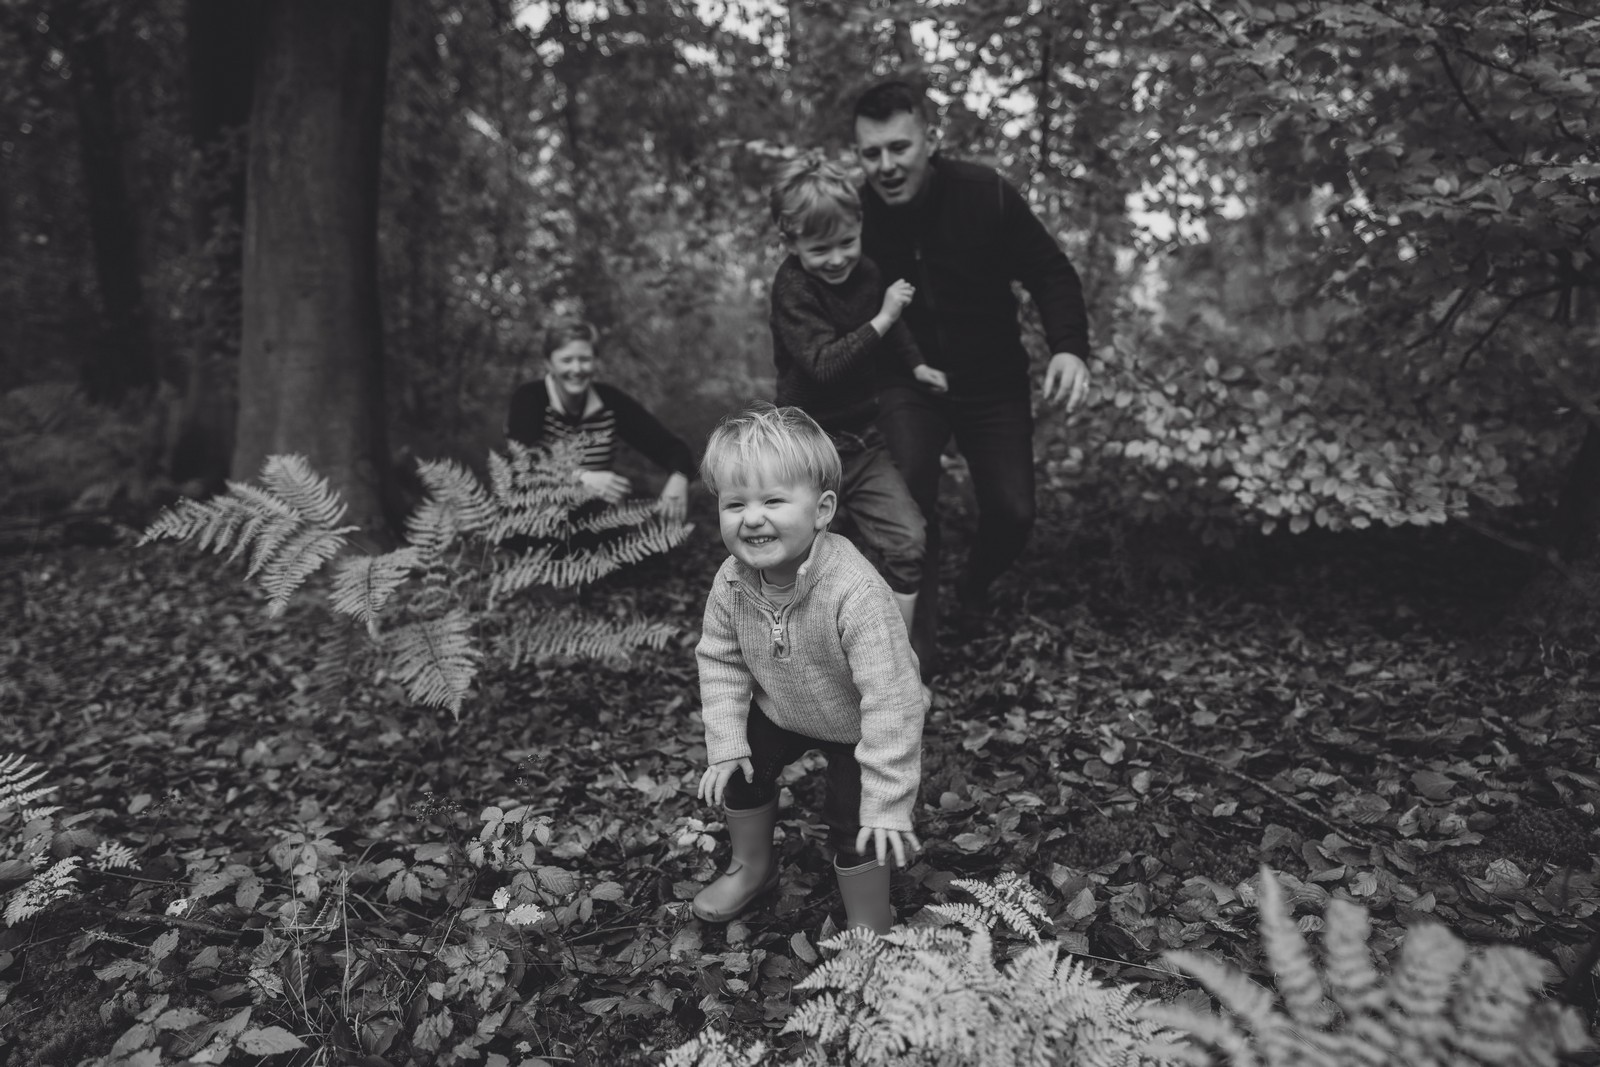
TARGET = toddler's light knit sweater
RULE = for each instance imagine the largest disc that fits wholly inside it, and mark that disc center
(834, 664)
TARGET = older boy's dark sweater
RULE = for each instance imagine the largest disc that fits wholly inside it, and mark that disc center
(829, 358)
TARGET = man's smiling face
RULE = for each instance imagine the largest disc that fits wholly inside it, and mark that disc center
(894, 152)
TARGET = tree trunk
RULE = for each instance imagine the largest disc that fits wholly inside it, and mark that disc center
(121, 358)
(221, 66)
(311, 363)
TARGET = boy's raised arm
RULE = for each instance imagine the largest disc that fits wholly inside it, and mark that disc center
(801, 328)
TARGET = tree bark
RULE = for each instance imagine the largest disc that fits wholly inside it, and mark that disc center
(221, 67)
(121, 359)
(311, 376)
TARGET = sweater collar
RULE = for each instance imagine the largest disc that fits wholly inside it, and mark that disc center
(591, 400)
(804, 578)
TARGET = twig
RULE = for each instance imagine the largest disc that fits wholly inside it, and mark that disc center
(1472, 109)
(1565, 386)
(168, 920)
(1288, 801)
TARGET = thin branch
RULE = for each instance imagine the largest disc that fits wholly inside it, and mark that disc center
(1565, 386)
(1494, 325)
(1472, 109)
(152, 918)
(1457, 306)
(1288, 801)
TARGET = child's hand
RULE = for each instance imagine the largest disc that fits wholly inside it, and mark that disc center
(884, 839)
(608, 486)
(715, 780)
(896, 298)
(932, 377)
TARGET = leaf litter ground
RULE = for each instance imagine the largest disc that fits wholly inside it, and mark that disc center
(1346, 710)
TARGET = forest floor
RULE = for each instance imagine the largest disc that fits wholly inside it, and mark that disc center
(1350, 711)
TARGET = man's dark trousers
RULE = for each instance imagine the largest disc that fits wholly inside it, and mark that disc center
(995, 436)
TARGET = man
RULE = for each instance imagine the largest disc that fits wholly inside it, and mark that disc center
(961, 234)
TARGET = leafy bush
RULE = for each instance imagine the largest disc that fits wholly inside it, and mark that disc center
(429, 605)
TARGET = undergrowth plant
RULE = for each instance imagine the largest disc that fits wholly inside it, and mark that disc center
(934, 992)
(1443, 1005)
(436, 606)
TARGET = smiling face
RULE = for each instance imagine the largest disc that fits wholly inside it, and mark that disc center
(894, 152)
(831, 256)
(572, 369)
(769, 522)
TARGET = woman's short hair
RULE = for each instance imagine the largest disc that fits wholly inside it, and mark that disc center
(764, 439)
(813, 197)
(565, 329)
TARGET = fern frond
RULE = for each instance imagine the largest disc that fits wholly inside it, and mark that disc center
(289, 528)
(435, 659)
(301, 556)
(1352, 978)
(1493, 1002)
(291, 478)
(456, 504)
(570, 635)
(362, 585)
(1298, 982)
(715, 1049)
(1012, 900)
(1250, 1002)
(43, 889)
(19, 782)
(1430, 958)
(618, 516)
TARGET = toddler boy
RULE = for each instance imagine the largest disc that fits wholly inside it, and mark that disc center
(802, 648)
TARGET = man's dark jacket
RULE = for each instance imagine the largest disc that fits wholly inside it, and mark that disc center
(961, 242)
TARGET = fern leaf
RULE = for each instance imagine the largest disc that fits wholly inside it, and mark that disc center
(1430, 958)
(1251, 1003)
(1494, 1000)
(43, 889)
(435, 659)
(362, 585)
(568, 635)
(307, 493)
(19, 782)
(1352, 977)
(1298, 982)
(301, 556)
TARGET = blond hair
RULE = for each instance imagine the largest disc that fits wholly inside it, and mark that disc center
(784, 442)
(813, 197)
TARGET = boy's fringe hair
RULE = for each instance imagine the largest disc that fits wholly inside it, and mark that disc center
(564, 328)
(785, 442)
(812, 197)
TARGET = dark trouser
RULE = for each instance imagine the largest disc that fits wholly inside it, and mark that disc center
(995, 435)
(772, 748)
(874, 499)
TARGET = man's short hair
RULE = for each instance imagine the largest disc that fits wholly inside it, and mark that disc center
(886, 99)
(813, 197)
(764, 439)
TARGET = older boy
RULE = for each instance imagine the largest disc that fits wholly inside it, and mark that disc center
(802, 648)
(834, 325)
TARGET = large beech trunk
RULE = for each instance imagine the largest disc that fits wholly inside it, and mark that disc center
(311, 362)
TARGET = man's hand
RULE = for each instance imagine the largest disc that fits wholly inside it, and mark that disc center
(883, 840)
(715, 781)
(1067, 378)
(608, 486)
(674, 500)
(932, 377)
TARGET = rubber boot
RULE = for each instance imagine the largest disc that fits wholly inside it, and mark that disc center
(753, 869)
(865, 890)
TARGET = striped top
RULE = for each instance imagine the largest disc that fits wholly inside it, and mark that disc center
(538, 419)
